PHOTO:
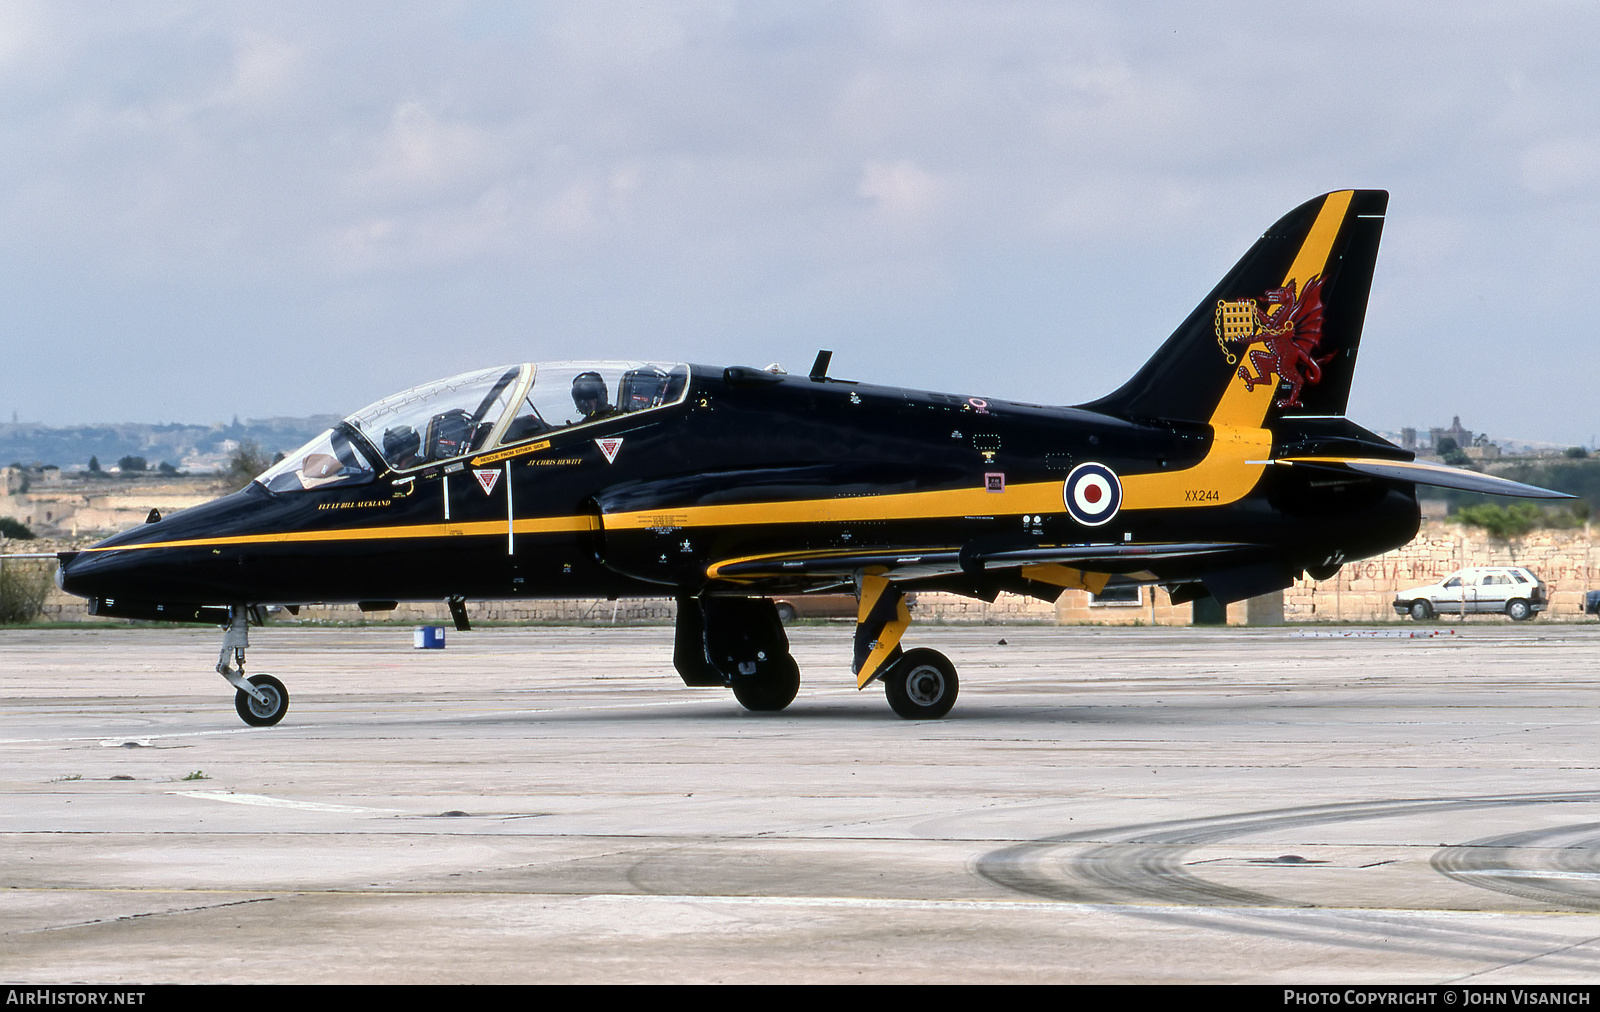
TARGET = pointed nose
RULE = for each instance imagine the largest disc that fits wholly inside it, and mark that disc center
(70, 574)
(101, 574)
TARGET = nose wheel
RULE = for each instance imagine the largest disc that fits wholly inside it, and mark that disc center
(267, 710)
(921, 685)
(261, 699)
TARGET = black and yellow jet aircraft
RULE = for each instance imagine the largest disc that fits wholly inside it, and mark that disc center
(1225, 468)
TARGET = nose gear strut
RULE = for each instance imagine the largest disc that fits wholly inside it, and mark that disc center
(262, 700)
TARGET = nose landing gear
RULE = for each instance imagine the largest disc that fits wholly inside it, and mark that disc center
(262, 700)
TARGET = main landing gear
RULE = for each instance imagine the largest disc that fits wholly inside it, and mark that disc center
(771, 691)
(261, 700)
(921, 685)
(737, 642)
(740, 643)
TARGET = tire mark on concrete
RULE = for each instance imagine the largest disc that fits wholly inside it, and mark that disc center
(1140, 869)
(1559, 866)
(1145, 862)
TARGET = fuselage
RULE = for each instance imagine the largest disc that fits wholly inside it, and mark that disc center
(743, 463)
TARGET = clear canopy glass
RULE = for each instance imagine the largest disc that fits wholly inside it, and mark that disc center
(330, 459)
(478, 411)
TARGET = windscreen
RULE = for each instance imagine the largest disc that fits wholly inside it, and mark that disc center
(330, 459)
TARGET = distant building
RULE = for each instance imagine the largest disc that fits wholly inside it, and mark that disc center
(1463, 437)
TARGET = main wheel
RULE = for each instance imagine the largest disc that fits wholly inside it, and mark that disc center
(771, 690)
(1421, 611)
(922, 685)
(785, 612)
(1519, 610)
(263, 714)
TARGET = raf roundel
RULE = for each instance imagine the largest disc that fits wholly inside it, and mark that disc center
(1092, 494)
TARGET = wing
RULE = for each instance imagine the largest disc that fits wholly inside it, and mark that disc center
(1050, 564)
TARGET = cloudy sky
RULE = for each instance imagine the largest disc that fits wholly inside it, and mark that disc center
(209, 209)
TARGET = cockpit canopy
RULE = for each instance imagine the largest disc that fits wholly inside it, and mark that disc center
(475, 412)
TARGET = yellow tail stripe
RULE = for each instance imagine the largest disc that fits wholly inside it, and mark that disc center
(1225, 476)
(1314, 252)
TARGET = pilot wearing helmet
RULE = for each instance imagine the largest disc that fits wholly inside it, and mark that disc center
(590, 397)
(402, 446)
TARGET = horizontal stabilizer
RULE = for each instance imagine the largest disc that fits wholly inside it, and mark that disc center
(1422, 473)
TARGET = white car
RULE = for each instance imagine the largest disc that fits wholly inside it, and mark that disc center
(1508, 590)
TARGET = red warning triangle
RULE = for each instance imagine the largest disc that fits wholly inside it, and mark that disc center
(487, 477)
(609, 447)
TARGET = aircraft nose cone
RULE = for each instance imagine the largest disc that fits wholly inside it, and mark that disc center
(71, 574)
(97, 574)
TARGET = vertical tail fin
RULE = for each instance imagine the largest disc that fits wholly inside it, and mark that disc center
(1278, 337)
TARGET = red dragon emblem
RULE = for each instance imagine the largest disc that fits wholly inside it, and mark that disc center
(1290, 327)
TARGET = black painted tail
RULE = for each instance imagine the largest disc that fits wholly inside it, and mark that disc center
(1288, 314)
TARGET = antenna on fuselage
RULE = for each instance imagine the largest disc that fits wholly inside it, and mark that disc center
(819, 368)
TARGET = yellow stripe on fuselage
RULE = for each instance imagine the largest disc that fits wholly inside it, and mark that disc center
(1042, 497)
(535, 525)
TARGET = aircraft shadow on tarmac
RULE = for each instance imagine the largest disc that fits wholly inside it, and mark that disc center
(838, 709)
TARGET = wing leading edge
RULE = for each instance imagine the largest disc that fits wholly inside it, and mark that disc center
(905, 565)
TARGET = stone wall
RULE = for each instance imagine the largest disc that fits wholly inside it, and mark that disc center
(1364, 591)
(1078, 607)
(1007, 608)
